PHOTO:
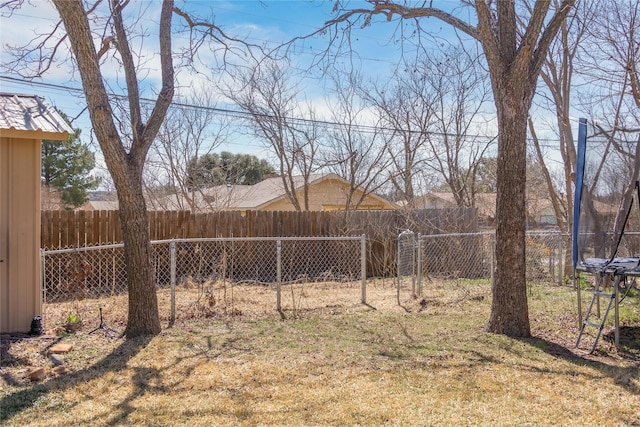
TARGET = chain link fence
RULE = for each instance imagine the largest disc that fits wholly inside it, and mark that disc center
(257, 276)
(467, 260)
(206, 277)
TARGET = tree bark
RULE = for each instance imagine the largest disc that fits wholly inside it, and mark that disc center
(509, 308)
(125, 167)
(143, 303)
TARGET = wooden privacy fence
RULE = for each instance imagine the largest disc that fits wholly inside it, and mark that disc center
(68, 229)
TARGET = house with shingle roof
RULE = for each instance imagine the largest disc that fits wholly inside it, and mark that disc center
(485, 203)
(326, 192)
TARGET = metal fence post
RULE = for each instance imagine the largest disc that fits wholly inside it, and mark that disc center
(363, 266)
(419, 263)
(278, 273)
(560, 259)
(398, 270)
(414, 271)
(172, 252)
(43, 288)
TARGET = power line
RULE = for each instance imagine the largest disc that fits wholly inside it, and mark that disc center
(245, 115)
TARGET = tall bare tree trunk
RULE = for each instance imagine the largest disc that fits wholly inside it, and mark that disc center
(509, 309)
(143, 316)
(125, 165)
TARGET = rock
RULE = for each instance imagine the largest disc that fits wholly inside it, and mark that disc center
(59, 370)
(59, 330)
(37, 374)
(56, 359)
(60, 348)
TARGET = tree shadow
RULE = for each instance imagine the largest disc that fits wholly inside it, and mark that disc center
(7, 359)
(143, 381)
(627, 377)
(629, 341)
(14, 403)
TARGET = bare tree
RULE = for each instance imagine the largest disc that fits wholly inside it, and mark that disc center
(558, 74)
(405, 107)
(192, 129)
(610, 62)
(125, 124)
(125, 165)
(432, 110)
(287, 125)
(354, 150)
(456, 144)
(515, 43)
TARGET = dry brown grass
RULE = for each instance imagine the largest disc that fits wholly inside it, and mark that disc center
(337, 362)
(251, 300)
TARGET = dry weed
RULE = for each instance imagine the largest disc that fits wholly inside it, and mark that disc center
(427, 362)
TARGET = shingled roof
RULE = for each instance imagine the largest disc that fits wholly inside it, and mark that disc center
(262, 195)
(29, 116)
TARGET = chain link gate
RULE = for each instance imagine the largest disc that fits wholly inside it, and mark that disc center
(409, 266)
(464, 260)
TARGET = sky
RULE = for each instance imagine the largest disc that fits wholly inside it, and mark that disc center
(271, 23)
(266, 22)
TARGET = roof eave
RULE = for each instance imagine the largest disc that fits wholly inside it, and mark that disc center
(33, 134)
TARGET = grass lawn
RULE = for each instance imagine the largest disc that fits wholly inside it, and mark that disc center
(428, 362)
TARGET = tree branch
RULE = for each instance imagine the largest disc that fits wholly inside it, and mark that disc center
(388, 9)
(548, 35)
(168, 85)
(208, 30)
(128, 65)
(76, 22)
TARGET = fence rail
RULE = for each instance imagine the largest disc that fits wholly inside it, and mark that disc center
(195, 269)
(68, 229)
(208, 274)
(464, 257)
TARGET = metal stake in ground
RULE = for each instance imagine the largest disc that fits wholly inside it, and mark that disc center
(107, 330)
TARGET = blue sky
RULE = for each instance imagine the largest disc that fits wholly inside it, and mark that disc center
(267, 22)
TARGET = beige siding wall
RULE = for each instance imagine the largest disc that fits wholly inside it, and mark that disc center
(20, 297)
(328, 195)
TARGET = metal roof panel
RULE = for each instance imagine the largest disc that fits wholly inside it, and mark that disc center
(30, 113)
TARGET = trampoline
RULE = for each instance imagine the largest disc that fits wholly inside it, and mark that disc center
(606, 223)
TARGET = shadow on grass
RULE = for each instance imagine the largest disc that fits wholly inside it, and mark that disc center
(627, 377)
(14, 403)
(629, 341)
(143, 379)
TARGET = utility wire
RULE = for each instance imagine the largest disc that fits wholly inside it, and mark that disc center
(228, 112)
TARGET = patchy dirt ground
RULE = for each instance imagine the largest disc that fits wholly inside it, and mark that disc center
(251, 300)
(21, 354)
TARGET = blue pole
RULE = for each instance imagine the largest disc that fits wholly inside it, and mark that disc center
(577, 195)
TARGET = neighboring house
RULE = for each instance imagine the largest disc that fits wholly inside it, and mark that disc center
(327, 192)
(540, 211)
(100, 205)
(485, 203)
(25, 120)
(100, 201)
